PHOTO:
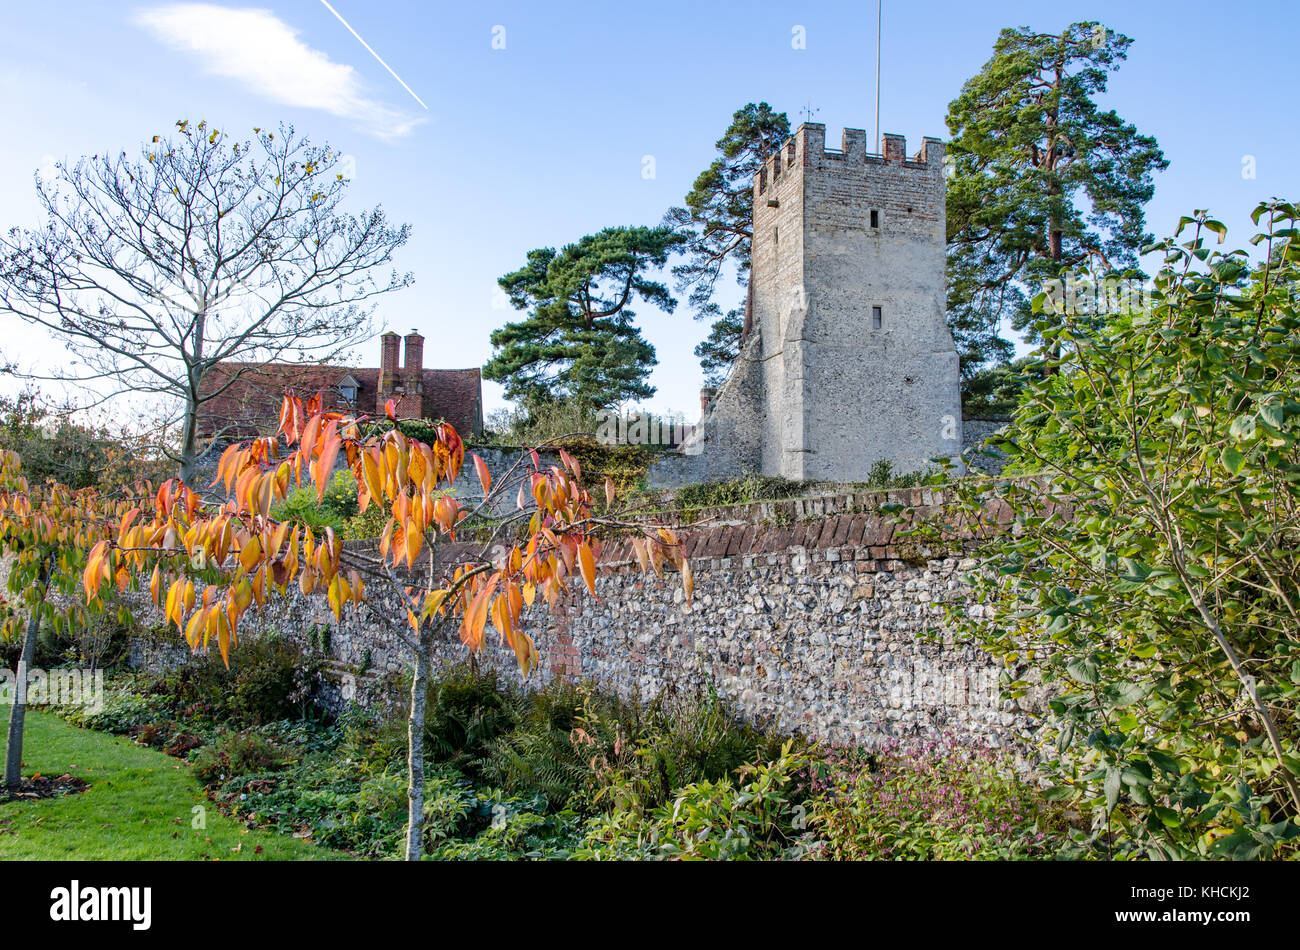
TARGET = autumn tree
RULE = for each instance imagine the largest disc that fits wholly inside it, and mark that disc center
(209, 563)
(201, 249)
(717, 220)
(1042, 178)
(579, 340)
(46, 531)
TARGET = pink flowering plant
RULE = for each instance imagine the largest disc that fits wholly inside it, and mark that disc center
(930, 800)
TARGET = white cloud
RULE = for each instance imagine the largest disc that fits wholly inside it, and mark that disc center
(262, 52)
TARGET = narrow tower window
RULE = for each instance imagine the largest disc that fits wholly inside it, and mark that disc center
(875, 218)
(875, 318)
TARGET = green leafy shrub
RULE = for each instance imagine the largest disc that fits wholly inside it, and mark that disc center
(759, 814)
(739, 491)
(333, 510)
(123, 712)
(246, 752)
(467, 709)
(589, 751)
(270, 679)
(1150, 595)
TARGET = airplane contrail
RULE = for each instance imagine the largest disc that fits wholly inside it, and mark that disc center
(374, 54)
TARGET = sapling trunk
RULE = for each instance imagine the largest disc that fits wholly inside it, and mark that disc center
(18, 714)
(415, 751)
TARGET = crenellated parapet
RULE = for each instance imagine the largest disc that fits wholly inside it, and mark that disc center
(807, 149)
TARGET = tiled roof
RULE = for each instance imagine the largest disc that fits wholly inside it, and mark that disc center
(242, 400)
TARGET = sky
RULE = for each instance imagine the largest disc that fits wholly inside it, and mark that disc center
(503, 127)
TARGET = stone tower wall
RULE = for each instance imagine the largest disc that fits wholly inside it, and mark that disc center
(840, 394)
(819, 392)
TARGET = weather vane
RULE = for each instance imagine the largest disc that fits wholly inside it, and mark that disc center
(808, 111)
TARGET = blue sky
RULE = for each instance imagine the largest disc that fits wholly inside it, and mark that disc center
(544, 141)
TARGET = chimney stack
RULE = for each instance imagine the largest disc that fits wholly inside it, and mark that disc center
(413, 373)
(390, 343)
(414, 354)
(705, 393)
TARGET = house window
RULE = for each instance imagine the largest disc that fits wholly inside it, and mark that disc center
(875, 218)
(347, 390)
(875, 318)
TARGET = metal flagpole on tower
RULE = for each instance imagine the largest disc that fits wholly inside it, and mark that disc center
(879, 3)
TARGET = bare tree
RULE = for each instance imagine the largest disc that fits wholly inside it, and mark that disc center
(203, 250)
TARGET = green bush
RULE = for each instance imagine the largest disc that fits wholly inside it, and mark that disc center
(467, 710)
(1149, 596)
(124, 711)
(334, 510)
(246, 752)
(269, 679)
(739, 491)
(757, 815)
(592, 751)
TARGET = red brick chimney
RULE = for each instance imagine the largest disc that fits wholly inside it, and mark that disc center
(413, 373)
(389, 367)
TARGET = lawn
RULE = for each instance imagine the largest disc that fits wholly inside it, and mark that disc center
(139, 807)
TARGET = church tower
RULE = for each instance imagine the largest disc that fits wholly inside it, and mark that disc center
(848, 360)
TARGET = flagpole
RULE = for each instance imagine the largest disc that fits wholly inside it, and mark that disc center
(879, 3)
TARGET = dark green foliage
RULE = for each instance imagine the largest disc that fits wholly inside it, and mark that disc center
(55, 444)
(270, 679)
(739, 491)
(718, 222)
(561, 772)
(1041, 179)
(995, 391)
(1148, 601)
(467, 710)
(579, 341)
(718, 351)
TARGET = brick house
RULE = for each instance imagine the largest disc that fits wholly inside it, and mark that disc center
(242, 400)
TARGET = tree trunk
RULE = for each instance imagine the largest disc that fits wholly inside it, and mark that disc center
(18, 714)
(189, 439)
(415, 752)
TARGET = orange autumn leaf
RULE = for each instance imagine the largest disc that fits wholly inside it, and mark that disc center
(587, 565)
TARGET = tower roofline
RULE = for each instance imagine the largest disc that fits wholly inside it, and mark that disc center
(807, 146)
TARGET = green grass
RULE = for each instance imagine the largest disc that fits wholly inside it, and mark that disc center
(139, 807)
